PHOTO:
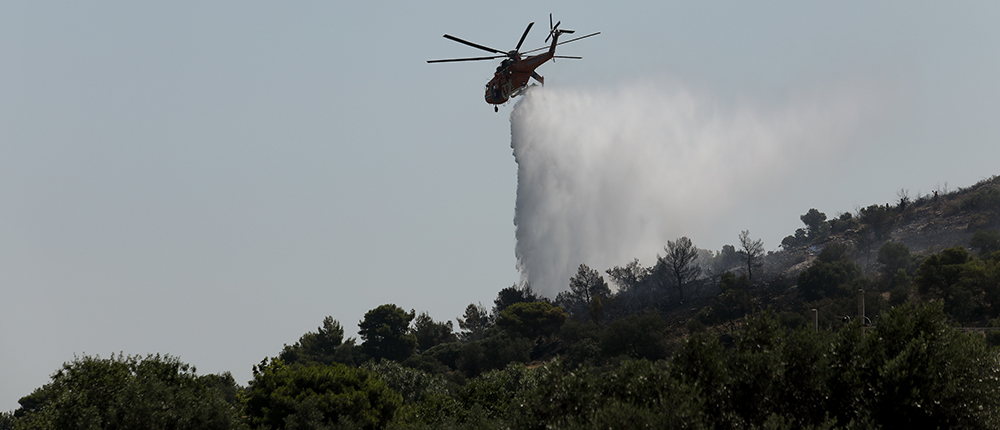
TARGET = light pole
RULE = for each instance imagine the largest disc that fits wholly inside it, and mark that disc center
(861, 309)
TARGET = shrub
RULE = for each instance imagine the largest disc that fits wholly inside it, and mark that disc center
(131, 392)
(315, 396)
(986, 242)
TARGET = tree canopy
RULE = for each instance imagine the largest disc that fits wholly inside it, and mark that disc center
(532, 319)
(131, 392)
(586, 286)
(386, 333)
(680, 263)
(317, 396)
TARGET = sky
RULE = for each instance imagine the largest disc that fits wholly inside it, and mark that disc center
(210, 179)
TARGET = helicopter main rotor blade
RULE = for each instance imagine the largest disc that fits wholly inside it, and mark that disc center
(565, 41)
(566, 56)
(524, 35)
(474, 45)
(453, 60)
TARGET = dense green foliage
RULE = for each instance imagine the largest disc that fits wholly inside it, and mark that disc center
(532, 320)
(911, 371)
(969, 287)
(313, 396)
(830, 274)
(430, 333)
(325, 346)
(699, 340)
(586, 291)
(386, 333)
(986, 242)
(130, 392)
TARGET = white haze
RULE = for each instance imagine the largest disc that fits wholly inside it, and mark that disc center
(611, 175)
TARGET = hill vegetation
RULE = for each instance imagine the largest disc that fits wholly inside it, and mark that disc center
(888, 317)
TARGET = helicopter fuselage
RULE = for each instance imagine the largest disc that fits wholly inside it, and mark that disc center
(512, 75)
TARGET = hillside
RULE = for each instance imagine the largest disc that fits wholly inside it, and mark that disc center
(926, 224)
(780, 347)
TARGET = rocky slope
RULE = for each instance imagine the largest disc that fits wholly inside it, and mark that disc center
(926, 225)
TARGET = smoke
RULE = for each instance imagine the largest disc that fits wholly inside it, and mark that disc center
(610, 175)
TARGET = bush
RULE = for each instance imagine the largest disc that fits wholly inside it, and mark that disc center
(894, 256)
(637, 336)
(412, 384)
(131, 392)
(983, 200)
(498, 391)
(899, 295)
(828, 273)
(314, 396)
(993, 338)
(532, 319)
(636, 394)
(985, 242)
(925, 374)
(446, 353)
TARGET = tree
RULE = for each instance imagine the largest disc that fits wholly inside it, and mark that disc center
(474, 322)
(499, 391)
(637, 394)
(970, 287)
(386, 333)
(588, 283)
(628, 277)
(679, 262)
(894, 256)
(637, 336)
(583, 288)
(286, 396)
(511, 295)
(412, 384)
(532, 320)
(879, 220)
(751, 251)
(775, 372)
(727, 258)
(923, 373)
(815, 222)
(430, 333)
(828, 273)
(326, 346)
(986, 242)
(801, 238)
(843, 223)
(940, 277)
(635, 288)
(734, 300)
(152, 392)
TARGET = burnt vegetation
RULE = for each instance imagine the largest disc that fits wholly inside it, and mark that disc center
(735, 338)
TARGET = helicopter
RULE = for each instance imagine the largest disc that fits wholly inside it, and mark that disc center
(511, 77)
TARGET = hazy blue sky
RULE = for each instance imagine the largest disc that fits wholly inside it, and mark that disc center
(211, 179)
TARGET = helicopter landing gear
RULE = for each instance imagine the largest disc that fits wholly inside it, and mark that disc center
(496, 108)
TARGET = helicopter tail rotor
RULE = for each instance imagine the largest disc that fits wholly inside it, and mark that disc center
(554, 30)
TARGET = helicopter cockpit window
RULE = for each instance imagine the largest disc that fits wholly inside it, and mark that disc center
(494, 91)
(504, 64)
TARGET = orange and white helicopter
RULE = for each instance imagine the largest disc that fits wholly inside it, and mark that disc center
(511, 77)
